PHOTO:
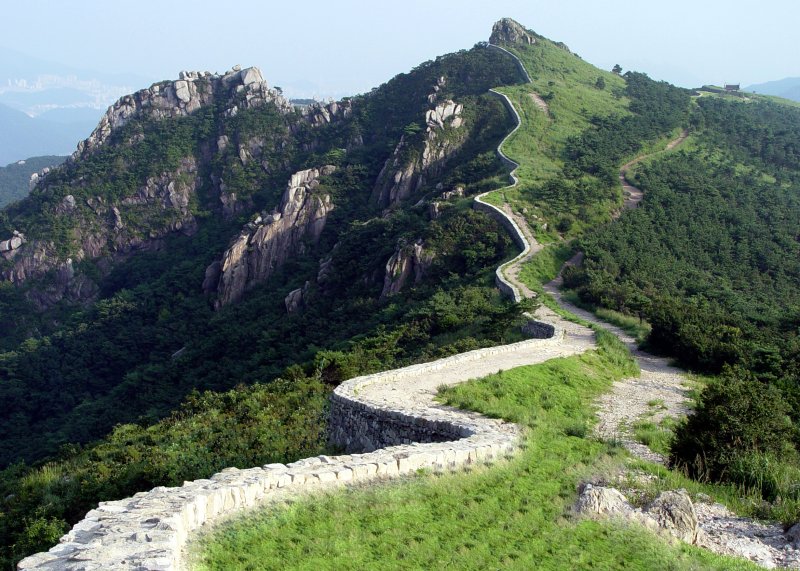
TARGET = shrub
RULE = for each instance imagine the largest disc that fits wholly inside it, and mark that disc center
(736, 416)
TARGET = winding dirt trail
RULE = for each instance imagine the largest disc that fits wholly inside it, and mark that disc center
(632, 398)
(632, 196)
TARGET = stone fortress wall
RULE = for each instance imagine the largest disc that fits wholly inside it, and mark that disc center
(383, 437)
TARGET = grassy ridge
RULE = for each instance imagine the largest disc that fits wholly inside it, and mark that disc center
(513, 515)
(569, 86)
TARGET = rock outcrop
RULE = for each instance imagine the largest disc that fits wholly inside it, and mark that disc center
(159, 207)
(320, 113)
(407, 169)
(296, 299)
(37, 177)
(240, 88)
(672, 512)
(405, 262)
(508, 31)
(273, 237)
(9, 247)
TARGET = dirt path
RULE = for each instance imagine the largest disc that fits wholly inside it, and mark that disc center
(632, 196)
(540, 103)
(630, 399)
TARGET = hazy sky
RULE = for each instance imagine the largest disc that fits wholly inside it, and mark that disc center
(348, 46)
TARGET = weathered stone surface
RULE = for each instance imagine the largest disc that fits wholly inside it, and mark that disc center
(294, 300)
(508, 31)
(674, 512)
(211, 278)
(671, 512)
(319, 114)
(602, 501)
(400, 177)
(404, 262)
(265, 244)
(538, 330)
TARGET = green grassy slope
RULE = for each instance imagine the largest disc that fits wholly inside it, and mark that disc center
(512, 515)
(569, 86)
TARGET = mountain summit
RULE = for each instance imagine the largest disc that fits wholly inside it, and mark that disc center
(508, 31)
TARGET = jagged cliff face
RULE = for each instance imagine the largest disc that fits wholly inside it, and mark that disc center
(164, 203)
(265, 244)
(100, 228)
(406, 171)
(210, 149)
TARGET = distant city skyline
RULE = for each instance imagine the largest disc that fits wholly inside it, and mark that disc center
(329, 49)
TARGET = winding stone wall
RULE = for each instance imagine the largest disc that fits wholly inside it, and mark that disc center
(148, 531)
(505, 286)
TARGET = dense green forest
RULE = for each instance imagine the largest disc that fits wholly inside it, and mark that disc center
(88, 389)
(712, 260)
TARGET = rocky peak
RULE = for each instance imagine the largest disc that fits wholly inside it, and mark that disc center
(322, 113)
(508, 31)
(193, 90)
(271, 238)
(8, 247)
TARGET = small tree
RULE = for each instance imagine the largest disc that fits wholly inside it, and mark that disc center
(616, 69)
(600, 83)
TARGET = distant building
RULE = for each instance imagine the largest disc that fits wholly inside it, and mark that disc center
(731, 87)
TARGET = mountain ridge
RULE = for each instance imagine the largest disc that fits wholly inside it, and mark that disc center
(352, 283)
(788, 88)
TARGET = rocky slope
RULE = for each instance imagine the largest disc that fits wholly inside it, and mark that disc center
(240, 88)
(271, 238)
(414, 160)
(109, 228)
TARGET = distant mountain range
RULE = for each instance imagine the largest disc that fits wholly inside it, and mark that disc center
(788, 88)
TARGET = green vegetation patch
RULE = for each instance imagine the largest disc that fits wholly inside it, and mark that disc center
(513, 515)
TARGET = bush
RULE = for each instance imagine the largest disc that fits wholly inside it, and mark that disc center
(736, 416)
